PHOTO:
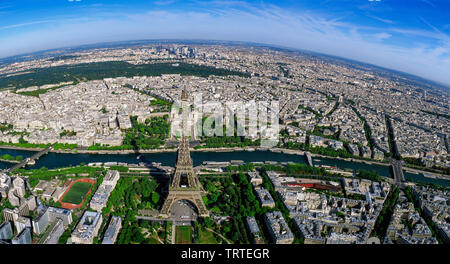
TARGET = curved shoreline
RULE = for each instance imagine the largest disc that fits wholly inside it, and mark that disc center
(130, 151)
(249, 149)
(235, 149)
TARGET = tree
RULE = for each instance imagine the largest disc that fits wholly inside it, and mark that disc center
(208, 222)
(155, 198)
(210, 187)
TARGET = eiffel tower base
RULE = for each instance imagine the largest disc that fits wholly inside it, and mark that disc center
(195, 197)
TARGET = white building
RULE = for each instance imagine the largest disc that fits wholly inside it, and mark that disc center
(87, 228)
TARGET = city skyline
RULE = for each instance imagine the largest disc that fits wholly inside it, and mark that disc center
(409, 37)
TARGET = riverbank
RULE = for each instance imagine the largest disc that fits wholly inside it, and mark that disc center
(9, 161)
(166, 150)
(54, 160)
(301, 152)
(86, 151)
(427, 174)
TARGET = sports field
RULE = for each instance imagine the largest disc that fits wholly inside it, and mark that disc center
(183, 234)
(77, 192)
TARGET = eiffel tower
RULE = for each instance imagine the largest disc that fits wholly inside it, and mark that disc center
(185, 184)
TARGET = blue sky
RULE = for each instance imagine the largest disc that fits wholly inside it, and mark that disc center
(407, 35)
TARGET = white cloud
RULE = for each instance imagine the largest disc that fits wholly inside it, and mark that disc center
(26, 24)
(382, 36)
(164, 2)
(429, 2)
(384, 20)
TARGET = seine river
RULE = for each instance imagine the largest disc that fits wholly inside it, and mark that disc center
(58, 160)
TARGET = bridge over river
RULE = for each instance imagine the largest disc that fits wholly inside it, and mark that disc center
(397, 171)
(30, 160)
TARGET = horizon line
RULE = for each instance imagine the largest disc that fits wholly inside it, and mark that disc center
(237, 42)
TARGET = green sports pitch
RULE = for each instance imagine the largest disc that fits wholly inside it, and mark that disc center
(77, 192)
(183, 235)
